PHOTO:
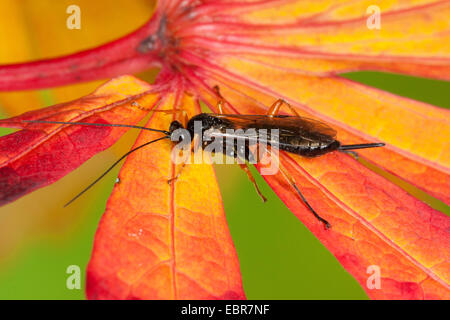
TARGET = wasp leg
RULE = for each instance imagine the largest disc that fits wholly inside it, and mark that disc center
(219, 105)
(243, 156)
(194, 144)
(276, 106)
(217, 90)
(252, 179)
(291, 181)
(137, 105)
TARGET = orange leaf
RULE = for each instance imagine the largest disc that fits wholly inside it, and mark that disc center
(41, 154)
(361, 114)
(374, 222)
(161, 241)
(28, 32)
(235, 45)
(326, 37)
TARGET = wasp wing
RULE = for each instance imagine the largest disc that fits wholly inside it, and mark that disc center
(288, 126)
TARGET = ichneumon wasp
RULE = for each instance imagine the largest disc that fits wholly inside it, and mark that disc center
(298, 135)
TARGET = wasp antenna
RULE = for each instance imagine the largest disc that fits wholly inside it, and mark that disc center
(111, 167)
(97, 124)
(361, 146)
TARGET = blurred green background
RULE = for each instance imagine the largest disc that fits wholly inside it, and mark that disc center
(279, 257)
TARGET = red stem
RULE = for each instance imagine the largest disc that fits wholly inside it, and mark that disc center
(130, 54)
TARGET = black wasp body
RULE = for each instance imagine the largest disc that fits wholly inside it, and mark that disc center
(294, 134)
(298, 135)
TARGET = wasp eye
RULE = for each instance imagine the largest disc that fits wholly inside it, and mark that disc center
(174, 126)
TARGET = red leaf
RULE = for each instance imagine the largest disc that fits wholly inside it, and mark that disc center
(127, 55)
(41, 154)
(374, 222)
(161, 241)
(328, 37)
(221, 42)
(361, 114)
(321, 39)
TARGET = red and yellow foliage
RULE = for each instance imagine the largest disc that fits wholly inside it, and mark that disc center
(161, 241)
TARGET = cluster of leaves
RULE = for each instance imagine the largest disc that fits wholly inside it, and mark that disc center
(255, 51)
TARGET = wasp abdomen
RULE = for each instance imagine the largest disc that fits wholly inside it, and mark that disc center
(298, 140)
(309, 148)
